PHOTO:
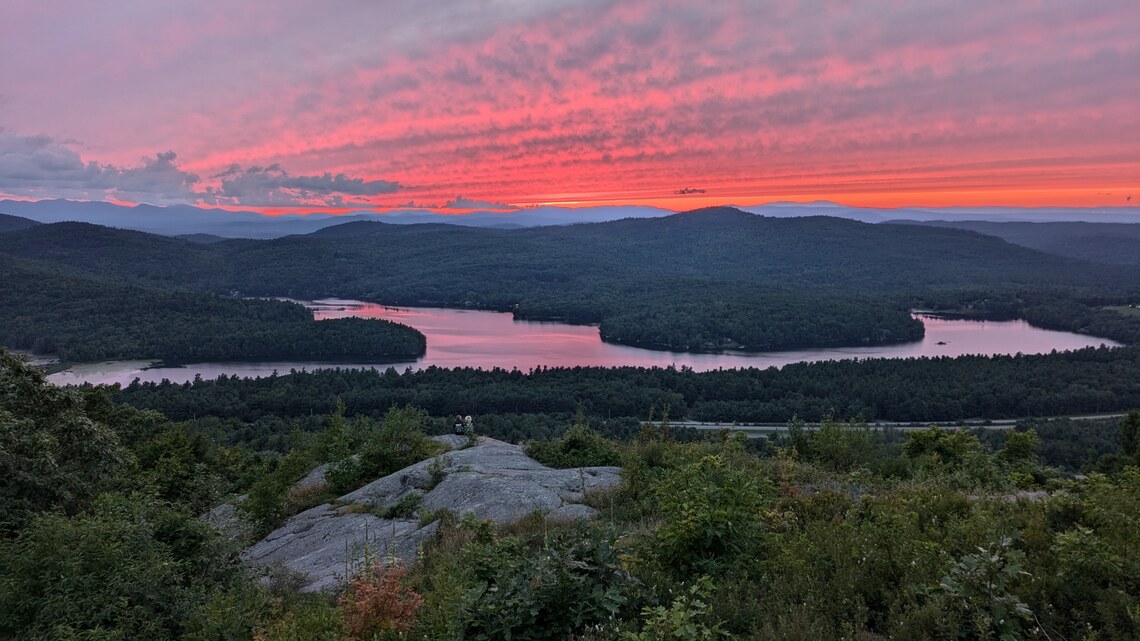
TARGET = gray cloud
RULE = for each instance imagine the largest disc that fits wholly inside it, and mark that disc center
(273, 186)
(37, 166)
(40, 167)
(459, 202)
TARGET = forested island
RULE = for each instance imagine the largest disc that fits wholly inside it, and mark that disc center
(703, 280)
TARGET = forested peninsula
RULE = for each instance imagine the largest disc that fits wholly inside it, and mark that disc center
(52, 311)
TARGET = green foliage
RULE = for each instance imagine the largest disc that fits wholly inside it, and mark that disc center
(311, 621)
(573, 583)
(839, 445)
(1130, 435)
(437, 471)
(183, 466)
(578, 447)
(1095, 582)
(712, 511)
(267, 503)
(52, 455)
(980, 587)
(956, 456)
(398, 442)
(686, 618)
(405, 507)
(1020, 447)
(839, 538)
(125, 570)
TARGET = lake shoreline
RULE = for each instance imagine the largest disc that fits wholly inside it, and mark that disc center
(480, 339)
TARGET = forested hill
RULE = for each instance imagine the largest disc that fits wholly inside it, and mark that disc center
(1110, 243)
(717, 244)
(705, 279)
(12, 223)
(81, 319)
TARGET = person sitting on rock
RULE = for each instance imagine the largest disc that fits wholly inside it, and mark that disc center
(468, 425)
(458, 425)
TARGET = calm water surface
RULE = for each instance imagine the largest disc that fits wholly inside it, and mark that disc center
(462, 338)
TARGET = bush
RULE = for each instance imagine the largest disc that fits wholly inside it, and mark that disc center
(979, 587)
(573, 583)
(267, 503)
(398, 443)
(405, 507)
(686, 619)
(379, 604)
(712, 516)
(124, 570)
(53, 455)
(309, 621)
(579, 447)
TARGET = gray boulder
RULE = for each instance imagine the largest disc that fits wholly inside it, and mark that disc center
(492, 480)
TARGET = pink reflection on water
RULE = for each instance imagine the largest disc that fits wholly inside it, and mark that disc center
(467, 338)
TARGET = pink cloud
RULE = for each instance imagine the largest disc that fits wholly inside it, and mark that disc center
(520, 103)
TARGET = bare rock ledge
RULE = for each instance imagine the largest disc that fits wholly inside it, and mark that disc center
(491, 480)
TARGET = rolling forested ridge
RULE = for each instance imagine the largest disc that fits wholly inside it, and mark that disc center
(708, 279)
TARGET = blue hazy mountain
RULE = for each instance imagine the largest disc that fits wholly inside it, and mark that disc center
(182, 220)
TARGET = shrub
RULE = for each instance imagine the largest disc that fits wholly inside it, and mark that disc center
(686, 618)
(573, 583)
(712, 515)
(310, 621)
(398, 443)
(379, 604)
(267, 503)
(980, 586)
(579, 447)
(54, 456)
(125, 566)
(405, 507)
(437, 471)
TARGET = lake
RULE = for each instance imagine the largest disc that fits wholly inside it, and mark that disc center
(466, 338)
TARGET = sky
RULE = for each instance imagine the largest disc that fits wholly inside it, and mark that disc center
(455, 105)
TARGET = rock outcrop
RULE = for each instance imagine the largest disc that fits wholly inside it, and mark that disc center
(491, 480)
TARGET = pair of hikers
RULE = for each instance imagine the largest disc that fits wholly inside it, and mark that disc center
(464, 424)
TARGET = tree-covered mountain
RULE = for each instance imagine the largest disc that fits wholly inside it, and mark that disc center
(706, 279)
(12, 223)
(1110, 243)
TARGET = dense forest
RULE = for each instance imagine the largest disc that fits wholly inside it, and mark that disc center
(841, 532)
(923, 389)
(81, 319)
(702, 280)
(13, 223)
(1110, 243)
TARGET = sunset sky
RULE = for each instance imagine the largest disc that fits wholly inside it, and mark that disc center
(454, 105)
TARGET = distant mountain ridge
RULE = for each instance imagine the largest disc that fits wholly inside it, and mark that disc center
(179, 220)
(1109, 243)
